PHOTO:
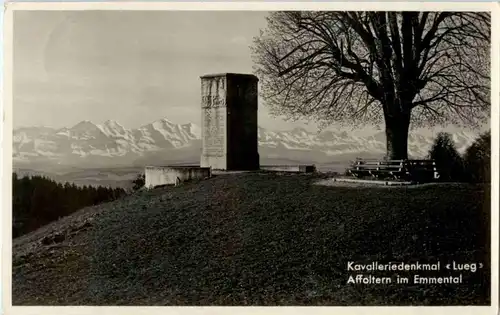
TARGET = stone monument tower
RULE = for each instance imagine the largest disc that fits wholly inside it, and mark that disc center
(229, 122)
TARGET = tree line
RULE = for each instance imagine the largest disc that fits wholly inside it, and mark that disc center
(474, 165)
(37, 200)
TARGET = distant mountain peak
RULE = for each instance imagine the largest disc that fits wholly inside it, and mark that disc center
(84, 124)
(166, 120)
(112, 142)
(111, 122)
(192, 129)
(161, 122)
(299, 130)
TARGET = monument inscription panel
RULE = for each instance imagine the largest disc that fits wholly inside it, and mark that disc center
(214, 136)
(213, 101)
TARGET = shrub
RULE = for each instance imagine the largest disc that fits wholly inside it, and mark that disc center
(139, 182)
(448, 161)
(477, 159)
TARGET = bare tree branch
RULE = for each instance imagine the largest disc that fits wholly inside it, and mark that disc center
(368, 67)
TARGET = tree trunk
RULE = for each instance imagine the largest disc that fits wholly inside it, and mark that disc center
(396, 131)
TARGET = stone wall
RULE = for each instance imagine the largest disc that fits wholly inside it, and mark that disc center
(290, 168)
(173, 175)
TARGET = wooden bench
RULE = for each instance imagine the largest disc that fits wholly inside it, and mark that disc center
(422, 170)
(416, 170)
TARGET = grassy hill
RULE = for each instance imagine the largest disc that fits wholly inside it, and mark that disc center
(257, 239)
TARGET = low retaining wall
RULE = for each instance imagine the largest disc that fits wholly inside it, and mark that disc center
(174, 175)
(289, 168)
(373, 181)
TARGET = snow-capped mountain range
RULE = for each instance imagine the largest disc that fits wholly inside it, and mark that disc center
(110, 144)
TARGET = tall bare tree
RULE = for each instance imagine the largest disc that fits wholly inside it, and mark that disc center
(423, 68)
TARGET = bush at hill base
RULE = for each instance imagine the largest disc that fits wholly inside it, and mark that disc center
(477, 160)
(139, 182)
(448, 161)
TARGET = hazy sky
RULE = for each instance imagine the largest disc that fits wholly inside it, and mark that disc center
(132, 67)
